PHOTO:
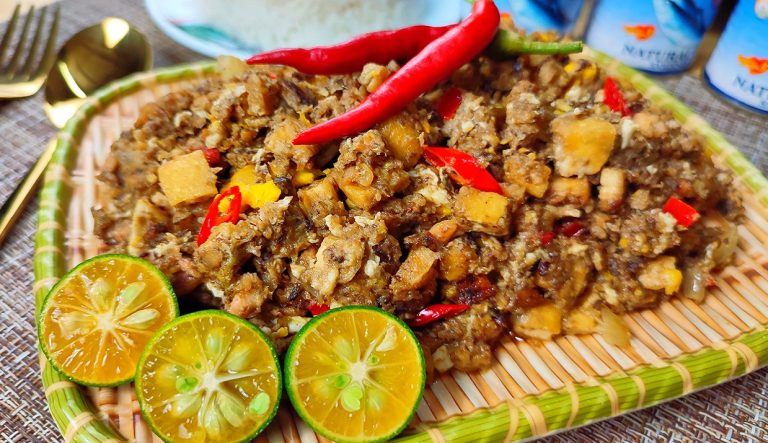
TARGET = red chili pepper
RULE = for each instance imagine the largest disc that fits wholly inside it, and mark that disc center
(547, 237)
(572, 228)
(316, 309)
(468, 170)
(614, 99)
(432, 65)
(685, 214)
(212, 156)
(376, 47)
(215, 216)
(449, 103)
(436, 312)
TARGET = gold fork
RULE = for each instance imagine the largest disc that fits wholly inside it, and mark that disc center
(17, 80)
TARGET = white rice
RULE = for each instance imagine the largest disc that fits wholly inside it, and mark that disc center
(270, 24)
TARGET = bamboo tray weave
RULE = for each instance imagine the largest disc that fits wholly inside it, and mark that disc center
(531, 390)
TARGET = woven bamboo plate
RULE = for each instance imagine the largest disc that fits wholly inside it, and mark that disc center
(532, 389)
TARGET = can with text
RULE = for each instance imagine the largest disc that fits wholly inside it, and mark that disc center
(738, 67)
(658, 36)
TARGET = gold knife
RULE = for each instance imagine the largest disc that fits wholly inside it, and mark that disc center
(14, 206)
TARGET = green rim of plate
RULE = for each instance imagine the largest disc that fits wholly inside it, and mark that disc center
(557, 410)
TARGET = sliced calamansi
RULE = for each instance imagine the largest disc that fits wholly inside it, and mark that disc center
(96, 320)
(355, 374)
(209, 377)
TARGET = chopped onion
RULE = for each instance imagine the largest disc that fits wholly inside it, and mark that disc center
(694, 283)
(614, 330)
(727, 247)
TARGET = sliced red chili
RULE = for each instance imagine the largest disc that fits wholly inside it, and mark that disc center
(546, 237)
(449, 103)
(468, 170)
(685, 214)
(437, 312)
(216, 216)
(212, 156)
(317, 309)
(436, 62)
(572, 228)
(614, 98)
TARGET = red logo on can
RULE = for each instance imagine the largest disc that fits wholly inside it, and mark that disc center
(755, 65)
(641, 32)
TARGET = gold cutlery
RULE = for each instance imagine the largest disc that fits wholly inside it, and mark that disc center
(90, 59)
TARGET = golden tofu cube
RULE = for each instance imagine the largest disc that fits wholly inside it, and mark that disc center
(319, 200)
(187, 179)
(569, 191)
(358, 196)
(612, 187)
(541, 322)
(402, 140)
(484, 211)
(417, 270)
(582, 146)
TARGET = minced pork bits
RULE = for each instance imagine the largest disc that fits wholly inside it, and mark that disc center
(578, 235)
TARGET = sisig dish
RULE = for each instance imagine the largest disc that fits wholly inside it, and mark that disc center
(563, 200)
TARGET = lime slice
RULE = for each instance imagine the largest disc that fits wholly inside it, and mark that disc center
(97, 319)
(355, 374)
(209, 377)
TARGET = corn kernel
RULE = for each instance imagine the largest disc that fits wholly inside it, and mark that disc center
(624, 243)
(257, 195)
(673, 278)
(303, 178)
(571, 67)
(589, 73)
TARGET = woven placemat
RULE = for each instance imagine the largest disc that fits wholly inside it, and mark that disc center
(735, 411)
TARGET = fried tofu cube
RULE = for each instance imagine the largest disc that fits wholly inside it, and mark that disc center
(187, 179)
(541, 322)
(319, 200)
(483, 211)
(528, 172)
(569, 191)
(611, 191)
(359, 196)
(582, 146)
(417, 270)
(402, 139)
(455, 258)
(661, 274)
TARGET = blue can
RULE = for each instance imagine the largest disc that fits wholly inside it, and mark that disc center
(658, 36)
(738, 67)
(541, 15)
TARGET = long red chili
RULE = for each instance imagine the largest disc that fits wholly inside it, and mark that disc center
(216, 216)
(468, 171)
(376, 47)
(436, 312)
(433, 64)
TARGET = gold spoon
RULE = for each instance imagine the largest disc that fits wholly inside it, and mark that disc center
(89, 60)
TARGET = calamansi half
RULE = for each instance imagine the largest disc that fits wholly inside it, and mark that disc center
(97, 319)
(209, 377)
(355, 374)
